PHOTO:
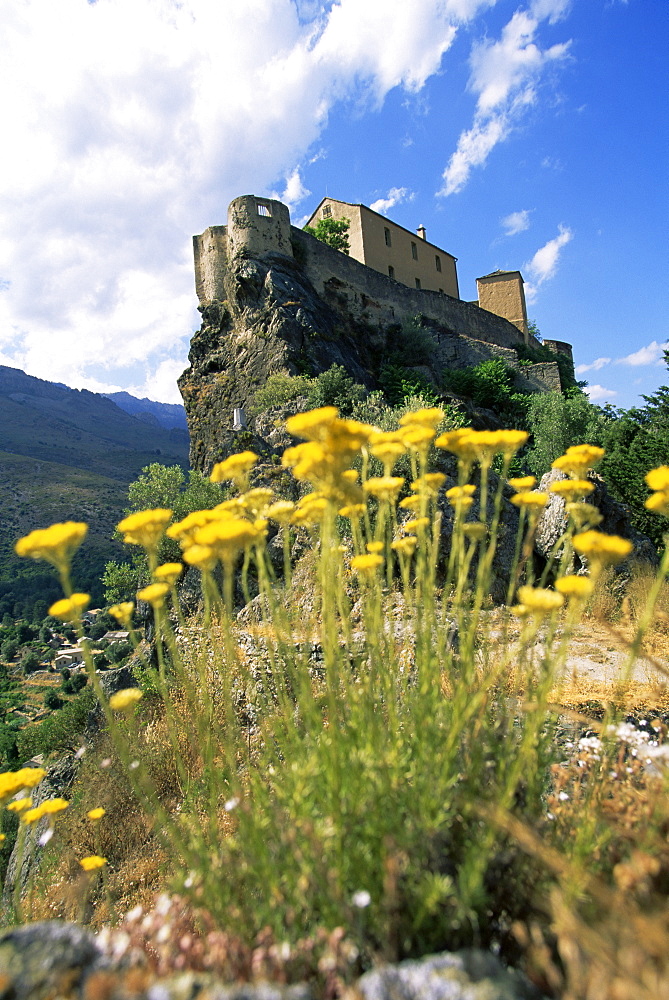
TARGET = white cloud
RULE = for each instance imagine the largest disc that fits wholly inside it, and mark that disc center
(649, 355)
(594, 366)
(516, 222)
(544, 264)
(395, 197)
(598, 394)
(504, 76)
(130, 124)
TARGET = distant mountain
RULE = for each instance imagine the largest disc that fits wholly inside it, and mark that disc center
(81, 429)
(68, 454)
(166, 414)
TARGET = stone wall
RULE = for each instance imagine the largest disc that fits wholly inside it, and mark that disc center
(373, 298)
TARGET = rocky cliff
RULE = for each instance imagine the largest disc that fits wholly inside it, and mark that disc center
(265, 311)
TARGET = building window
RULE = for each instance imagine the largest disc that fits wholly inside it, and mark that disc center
(327, 211)
(391, 271)
(437, 262)
(264, 210)
(386, 233)
(414, 251)
(417, 282)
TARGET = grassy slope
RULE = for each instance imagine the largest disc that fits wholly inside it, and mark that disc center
(34, 494)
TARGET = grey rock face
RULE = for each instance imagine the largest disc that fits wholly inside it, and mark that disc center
(470, 974)
(55, 959)
(46, 960)
(615, 520)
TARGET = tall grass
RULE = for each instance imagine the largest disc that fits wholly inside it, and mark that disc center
(373, 755)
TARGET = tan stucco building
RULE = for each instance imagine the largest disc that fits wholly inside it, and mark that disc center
(502, 293)
(393, 250)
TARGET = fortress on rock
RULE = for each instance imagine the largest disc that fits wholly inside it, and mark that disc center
(274, 298)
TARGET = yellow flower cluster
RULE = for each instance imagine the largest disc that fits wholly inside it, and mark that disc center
(70, 609)
(578, 459)
(323, 459)
(48, 808)
(658, 480)
(168, 573)
(367, 565)
(125, 700)
(92, 862)
(572, 489)
(577, 587)
(95, 814)
(602, 549)
(236, 468)
(481, 446)
(145, 527)
(13, 782)
(154, 594)
(538, 601)
(122, 612)
(56, 544)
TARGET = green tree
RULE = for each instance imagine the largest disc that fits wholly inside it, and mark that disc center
(30, 662)
(556, 422)
(334, 232)
(9, 649)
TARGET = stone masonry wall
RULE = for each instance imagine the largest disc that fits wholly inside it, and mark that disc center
(374, 298)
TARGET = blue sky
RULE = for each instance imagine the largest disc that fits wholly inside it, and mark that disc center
(522, 135)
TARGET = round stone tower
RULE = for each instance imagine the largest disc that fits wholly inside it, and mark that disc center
(258, 226)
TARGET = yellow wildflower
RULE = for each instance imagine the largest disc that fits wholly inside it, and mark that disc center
(578, 459)
(310, 510)
(122, 612)
(56, 544)
(414, 503)
(168, 573)
(658, 479)
(522, 483)
(18, 805)
(606, 550)
(346, 437)
(234, 507)
(310, 461)
(145, 527)
(312, 425)
(539, 601)
(367, 564)
(257, 501)
(235, 468)
(575, 586)
(459, 442)
(430, 483)
(350, 475)
(416, 524)
(154, 594)
(461, 497)
(96, 814)
(388, 452)
(69, 609)
(427, 417)
(482, 445)
(532, 501)
(201, 556)
(572, 488)
(458, 492)
(658, 502)
(281, 511)
(384, 487)
(353, 511)
(475, 530)
(418, 438)
(406, 546)
(227, 538)
(12, 782)
(48, 808)
(584, 514)
(375, 546)
(124, 700)
(92, 862)
(184, 530)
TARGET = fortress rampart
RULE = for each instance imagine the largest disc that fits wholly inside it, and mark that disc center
(465, 333)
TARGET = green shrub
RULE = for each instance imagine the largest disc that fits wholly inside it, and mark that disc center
(61, 731)
(51, 700)
(279, 389)
(335, 387)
